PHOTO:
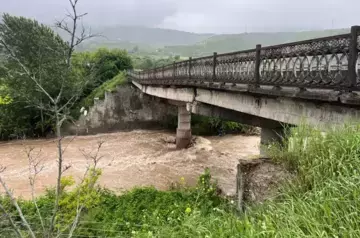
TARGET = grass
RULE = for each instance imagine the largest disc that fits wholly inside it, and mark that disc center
(108, 86)
(323, 200)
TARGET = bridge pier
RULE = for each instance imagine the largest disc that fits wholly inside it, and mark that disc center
(269, 136)
(183, 132)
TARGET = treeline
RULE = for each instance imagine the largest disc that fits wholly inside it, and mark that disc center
(30, 50)
(147, 62)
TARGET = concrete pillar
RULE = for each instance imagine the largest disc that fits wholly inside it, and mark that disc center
(269, 136)
(183, 132)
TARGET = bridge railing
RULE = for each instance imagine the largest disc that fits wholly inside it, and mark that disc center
(329, 62)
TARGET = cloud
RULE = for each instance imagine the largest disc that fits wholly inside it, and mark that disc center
(221, 16)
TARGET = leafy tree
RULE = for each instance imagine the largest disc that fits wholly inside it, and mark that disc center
(109, 63)
(103, 65)
(38, 63)
(31, 51)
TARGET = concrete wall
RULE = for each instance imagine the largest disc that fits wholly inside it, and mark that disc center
(126, 108)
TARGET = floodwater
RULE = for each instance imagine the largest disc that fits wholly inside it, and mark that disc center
(128, 159)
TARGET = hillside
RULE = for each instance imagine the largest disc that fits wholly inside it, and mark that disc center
(164, 42)
(228, 43)
(146, 39)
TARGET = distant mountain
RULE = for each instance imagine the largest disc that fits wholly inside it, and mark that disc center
(237, 42)
(149, 39)
(165, 42)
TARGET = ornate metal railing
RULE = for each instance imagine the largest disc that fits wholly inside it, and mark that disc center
(329, 62)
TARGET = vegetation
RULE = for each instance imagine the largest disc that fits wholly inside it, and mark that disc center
(147, 62)
(99, 92)
(101, 66)
(321, 201)
(32, 43)
(35, 48)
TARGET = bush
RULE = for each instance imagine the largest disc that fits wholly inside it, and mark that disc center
(107, 214)
(202, 125)
(99, 92)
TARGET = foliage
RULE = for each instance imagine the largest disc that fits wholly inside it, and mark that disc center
(322, 201)
(202, 125)
(138, 210)
(147, 62)
(22, 104)
(99, 92)
(85, 195)
(101, 66)
(41, 53)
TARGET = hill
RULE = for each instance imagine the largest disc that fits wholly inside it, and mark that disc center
(144, 38)
(164, 42)
(235, 42)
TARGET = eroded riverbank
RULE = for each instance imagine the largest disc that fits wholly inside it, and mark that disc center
(130, 159)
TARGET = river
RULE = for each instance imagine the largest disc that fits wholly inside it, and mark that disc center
(129, 159)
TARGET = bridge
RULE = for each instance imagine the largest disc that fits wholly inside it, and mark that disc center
(315, 81)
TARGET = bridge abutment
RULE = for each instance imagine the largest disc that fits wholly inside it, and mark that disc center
(183, 132)
(269, 136)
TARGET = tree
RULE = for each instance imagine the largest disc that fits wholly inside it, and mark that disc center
(41, 54)
(39, 62)
(103, 64)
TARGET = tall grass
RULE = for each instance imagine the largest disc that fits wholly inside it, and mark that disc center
(322, 201)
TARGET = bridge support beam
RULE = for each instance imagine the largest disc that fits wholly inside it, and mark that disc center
(269, 136)
(183, 132)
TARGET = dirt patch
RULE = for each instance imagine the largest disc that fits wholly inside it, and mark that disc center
(259, 179)
(135, 158)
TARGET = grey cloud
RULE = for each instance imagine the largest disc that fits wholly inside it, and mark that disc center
(221, 16)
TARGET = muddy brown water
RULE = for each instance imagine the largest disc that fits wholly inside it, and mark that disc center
(129, 159)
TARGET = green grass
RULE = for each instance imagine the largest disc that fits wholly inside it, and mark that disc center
(322, 201)
(99, 92)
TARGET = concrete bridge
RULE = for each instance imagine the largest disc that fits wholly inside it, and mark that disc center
(314, 81)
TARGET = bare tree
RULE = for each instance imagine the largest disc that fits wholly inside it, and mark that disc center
(58, 109)
(35, 167)
(16, 205)
(93, 160)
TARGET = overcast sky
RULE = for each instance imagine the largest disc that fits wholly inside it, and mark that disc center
(218, 16)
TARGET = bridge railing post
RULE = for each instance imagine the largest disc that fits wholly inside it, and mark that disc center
(257, 65)
(189, 78)
(353, 56)
(162, 74)
(174, 71)
(213, 76)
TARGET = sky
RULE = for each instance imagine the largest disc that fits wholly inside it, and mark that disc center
(201, 16)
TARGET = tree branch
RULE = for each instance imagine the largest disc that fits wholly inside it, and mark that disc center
(18, 232)
(16, 205)
(34, 170)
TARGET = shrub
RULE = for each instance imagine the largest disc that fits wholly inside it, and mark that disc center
(99, 92)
